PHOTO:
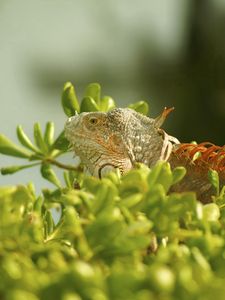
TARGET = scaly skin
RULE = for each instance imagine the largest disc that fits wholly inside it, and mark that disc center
(123, 137)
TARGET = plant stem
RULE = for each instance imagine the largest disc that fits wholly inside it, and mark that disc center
(63, 166)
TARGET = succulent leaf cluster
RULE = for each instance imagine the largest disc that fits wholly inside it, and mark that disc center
(121, 237)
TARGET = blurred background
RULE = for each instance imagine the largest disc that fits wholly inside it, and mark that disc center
(167, 52)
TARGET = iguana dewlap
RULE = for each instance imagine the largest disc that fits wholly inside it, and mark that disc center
(122, 137)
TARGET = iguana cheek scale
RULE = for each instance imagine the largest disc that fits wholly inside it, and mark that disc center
(122, 137)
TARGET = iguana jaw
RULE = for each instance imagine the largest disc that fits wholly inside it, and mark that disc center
(104, 166)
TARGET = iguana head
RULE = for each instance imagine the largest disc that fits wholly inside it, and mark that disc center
(116, 139)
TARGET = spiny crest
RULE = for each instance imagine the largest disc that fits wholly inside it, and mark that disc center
(162, 117)
(204, 154)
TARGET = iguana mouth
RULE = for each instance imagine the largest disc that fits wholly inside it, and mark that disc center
(109, 167)
(106, 165)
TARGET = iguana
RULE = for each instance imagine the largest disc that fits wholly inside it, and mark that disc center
(122, 137)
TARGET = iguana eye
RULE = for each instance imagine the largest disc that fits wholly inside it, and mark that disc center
(93, 121)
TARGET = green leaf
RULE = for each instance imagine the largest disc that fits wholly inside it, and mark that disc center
(7, 147)
(61, 142)
(162, 278)
(211, 212)
(14, 169)
(16, 197)
(93, 91)
(7, 191)
(49, 134)
(161, 174)
(19, 294)
(107, 223)
(67, 179)
(133, 182)
(178, 174)
(154, 200)
(105, 196)
(107, 103)
(214, 180)
(48, 173)
(38, 138)
(38, 204)
(88, 104)
(140, 106)
(132, 200)
(69, 100)
(70, 227)
(49, 222)
(24, 140)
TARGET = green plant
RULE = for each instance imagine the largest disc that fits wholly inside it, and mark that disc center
(117, 238)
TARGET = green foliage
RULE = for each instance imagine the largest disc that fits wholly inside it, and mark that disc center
(121, 237)
(69, 100)
(214, 179)
(140, 106)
